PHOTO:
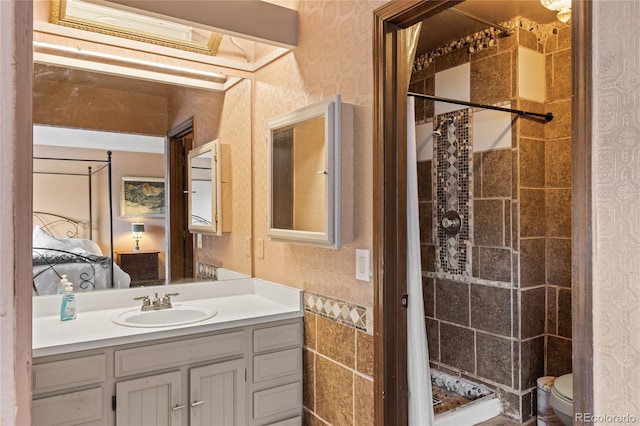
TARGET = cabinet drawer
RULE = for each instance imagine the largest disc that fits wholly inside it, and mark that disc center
(69, 373)
(295, 421)
(281, 336)
(68, 409)
(140, 266)
(276, 364)
(174, 354)
(277, 400)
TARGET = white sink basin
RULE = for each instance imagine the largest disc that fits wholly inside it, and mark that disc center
(178, 315)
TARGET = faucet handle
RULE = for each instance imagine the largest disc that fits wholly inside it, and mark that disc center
(145, 300)
(166, 300)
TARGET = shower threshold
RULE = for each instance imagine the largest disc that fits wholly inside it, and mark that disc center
(461, 402)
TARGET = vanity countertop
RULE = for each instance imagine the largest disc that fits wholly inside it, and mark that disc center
(238, 303)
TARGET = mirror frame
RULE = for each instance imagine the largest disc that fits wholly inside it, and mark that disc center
(215, 228)
(331, 109)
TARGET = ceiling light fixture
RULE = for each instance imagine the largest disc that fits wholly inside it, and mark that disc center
(562, 6)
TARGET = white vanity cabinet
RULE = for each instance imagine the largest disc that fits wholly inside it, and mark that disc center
(152, 400)
(192, 393)
(216, 397)
(250, 375)
(276, 379)
(70, 391)
(217, 394)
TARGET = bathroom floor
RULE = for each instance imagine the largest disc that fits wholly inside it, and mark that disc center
(449, 400)
(506, 421)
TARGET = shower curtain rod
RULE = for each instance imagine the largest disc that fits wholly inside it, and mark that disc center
(547, 116)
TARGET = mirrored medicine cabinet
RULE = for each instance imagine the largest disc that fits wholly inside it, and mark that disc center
(210, 189)
(305, 174)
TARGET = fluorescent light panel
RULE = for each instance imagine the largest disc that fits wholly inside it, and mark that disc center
(79, 51)
(96, 139)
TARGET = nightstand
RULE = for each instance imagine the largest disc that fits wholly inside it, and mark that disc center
(142, 266)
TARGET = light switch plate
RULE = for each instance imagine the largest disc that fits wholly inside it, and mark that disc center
(247, 246)
(260, 248)
(363, 262)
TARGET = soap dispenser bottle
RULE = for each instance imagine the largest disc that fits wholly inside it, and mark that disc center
(68, 306)
(63, 282)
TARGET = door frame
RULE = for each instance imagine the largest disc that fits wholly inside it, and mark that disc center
(389, 207)
(186, 126)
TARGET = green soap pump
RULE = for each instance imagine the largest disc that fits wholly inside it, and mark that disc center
(68, 305)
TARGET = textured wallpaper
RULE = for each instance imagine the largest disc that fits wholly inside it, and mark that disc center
(231, 250)
(334, 56)
(616, 162)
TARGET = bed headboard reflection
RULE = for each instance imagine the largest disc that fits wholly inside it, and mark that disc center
(60, 249)
(60, 226)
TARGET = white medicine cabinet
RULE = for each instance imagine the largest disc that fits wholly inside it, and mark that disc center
(210, 189)
(306, 173)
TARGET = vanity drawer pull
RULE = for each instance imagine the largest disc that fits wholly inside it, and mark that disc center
(196, 403)
(178, 407)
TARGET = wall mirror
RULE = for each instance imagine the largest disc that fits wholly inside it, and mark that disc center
(209, 176)
(305, 175)
(91, 103)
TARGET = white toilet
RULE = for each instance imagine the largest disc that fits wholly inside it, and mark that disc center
(561, 398)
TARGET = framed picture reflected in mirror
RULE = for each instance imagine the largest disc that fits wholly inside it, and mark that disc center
(142, 197)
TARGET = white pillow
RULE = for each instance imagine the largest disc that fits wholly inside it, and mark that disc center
(80, 245)
(75, 245)
(43, 240)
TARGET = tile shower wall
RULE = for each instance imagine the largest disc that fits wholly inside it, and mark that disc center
(451, 176)
(489, 325)
(557, 160)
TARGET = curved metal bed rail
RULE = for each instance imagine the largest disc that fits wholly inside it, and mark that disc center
(48, 221)
(87, 278)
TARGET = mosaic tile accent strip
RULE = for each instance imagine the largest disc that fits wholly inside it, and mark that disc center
(206, 271)
(487, 38)
(337, 310)
(453, 184)
(458, 385)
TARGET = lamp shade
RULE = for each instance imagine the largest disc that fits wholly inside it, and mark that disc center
(137, 227)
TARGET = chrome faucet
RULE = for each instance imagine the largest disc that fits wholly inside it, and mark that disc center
(158, 303)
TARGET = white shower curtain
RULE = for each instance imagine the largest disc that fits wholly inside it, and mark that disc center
(419, 377)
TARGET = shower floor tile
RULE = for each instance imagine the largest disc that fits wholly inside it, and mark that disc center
(449, 400)
(506, 421)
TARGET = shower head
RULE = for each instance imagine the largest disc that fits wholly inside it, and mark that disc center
(442, 125)
(438, 129)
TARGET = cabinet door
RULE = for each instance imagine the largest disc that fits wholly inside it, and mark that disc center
(217, 394)
(154, 400)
